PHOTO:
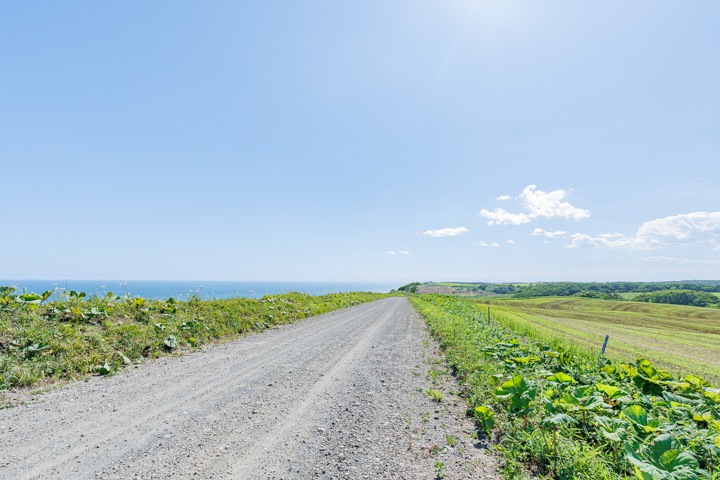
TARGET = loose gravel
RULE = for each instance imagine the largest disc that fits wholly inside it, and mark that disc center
(338, 396)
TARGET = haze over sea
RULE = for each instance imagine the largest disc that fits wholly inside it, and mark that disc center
(184, 289)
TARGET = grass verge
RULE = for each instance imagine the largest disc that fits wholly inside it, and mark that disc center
(42, 342)
(560, 412)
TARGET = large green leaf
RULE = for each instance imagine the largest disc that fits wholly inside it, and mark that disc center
(35, 348)
(609, 390)
(558, 420)
(712, 394)
(592, 403)
(703, 413)
(691, 399)
(485, 415)
(664, 459)
(170, 342)
(30, 298)
(576, 401)
(526, 360)
(696, 381)
(516, 385)
(637, 414)
(612, 392)
(104, 369)
(562, 378)
(520, 393)
(613, 429)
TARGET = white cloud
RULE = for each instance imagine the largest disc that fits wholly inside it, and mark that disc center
(502, 198)
(501, 217)
(405, 252)
(696, 227)
(536, 203)
(390, 252)
(485, 244)
(540, 231)
(609, 240)
(542, 204)
(510, 242)
(446, 232)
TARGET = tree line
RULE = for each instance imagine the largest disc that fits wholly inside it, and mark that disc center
(687, 292)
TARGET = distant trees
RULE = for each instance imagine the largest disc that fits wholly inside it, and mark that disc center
(691, 292)
(679, 297)
(601, 296)
(555, 289)
(564, 289)
(410, 287)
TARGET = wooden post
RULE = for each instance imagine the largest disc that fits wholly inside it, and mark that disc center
(602, 352)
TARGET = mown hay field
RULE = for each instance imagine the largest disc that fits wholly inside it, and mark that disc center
(679, 338)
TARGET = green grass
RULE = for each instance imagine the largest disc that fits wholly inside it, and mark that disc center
(678, 338)
(73, 337)
(558, 411)
(435, 394)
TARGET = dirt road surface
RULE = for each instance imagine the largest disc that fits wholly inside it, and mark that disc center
(342, 395)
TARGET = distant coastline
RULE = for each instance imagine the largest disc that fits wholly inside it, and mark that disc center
(185, 289)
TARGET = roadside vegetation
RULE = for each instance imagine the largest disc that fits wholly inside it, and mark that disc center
(678, 338)
(561, 411)
(43, 341)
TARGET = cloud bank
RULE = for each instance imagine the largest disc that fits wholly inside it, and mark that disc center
(696, 227)
(680, 261)
(536, 203)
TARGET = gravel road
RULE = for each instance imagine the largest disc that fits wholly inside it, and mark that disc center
(340, 396)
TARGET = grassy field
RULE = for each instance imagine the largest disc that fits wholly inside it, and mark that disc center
(559, 412)
(679, 338)
(633, 295)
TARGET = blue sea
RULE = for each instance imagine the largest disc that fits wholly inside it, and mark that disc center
(184, 289)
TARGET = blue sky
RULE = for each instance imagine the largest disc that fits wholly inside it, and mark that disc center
(361, 141)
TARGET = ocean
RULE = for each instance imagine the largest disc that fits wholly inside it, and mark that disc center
(184, 289)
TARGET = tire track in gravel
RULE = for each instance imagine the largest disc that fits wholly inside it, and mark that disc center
(251, 408)
(265, 446)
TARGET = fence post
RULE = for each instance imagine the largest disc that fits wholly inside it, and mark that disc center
(602, 352)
